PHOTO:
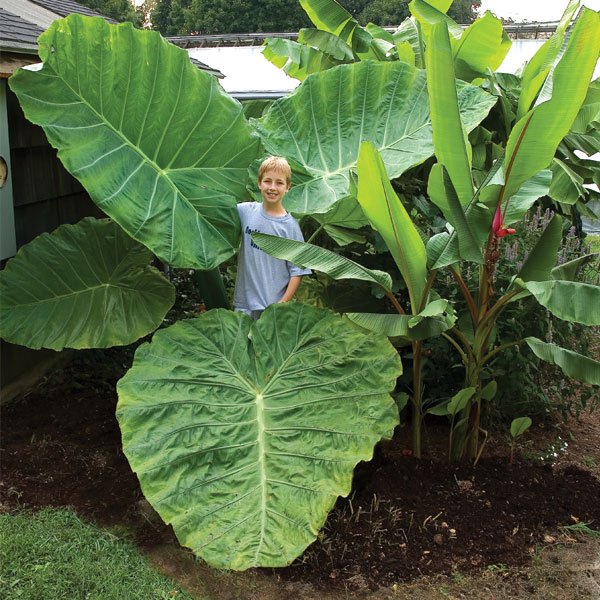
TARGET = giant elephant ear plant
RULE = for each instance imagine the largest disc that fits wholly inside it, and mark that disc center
(242, 434)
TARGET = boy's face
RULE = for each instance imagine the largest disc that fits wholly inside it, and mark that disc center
(273, 187)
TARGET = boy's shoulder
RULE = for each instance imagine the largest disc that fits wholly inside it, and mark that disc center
(246, 206)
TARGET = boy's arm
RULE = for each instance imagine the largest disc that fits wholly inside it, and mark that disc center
(293, 285)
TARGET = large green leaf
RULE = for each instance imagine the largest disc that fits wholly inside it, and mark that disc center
(82, 286)
(481, 48)
(542, 257)
(534, 188)
(449, 136)
(243, 433)
(431, 13)
(328, 43)
(568, 300)
(345, 213)
(437, 317)
(331, 17)
(389, 217)
(537, 69)
(569, 271)
(567, 185)
(297, 60)
(535, 137)
(156, 142)
(408, 34)
(320, 126)
(310, 256)
(572, 364)
(442, 193)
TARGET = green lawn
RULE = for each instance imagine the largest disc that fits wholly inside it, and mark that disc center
(53, 555)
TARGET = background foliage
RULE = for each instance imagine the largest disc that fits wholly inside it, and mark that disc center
(183, 17)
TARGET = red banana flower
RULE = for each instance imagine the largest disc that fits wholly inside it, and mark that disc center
(498, 228)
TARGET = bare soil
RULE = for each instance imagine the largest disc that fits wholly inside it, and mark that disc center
(410, 528)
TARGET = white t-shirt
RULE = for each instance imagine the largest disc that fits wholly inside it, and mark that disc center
(262, 279)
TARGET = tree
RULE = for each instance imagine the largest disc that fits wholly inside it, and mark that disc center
(464, 11)
(184, 17)
(384, 12)
(393, 12)
(119, 10)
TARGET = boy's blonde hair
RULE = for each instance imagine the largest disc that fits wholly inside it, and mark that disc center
(275, 163)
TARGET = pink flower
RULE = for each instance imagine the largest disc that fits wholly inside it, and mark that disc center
(498, 228)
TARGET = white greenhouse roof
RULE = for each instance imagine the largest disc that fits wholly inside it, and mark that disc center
(248, 74)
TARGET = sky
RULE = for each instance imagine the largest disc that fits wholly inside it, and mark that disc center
(532, 10)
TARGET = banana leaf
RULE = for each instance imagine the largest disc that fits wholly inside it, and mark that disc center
(297, 60)
(328, 43)
(243, 434)
(542, 257)
(431, 13)
(157, 143)
(389, 217)
(568, 300)
(574, 365)
(87, 285)
(567, 185)
(568, 271)
(442, 193)
(535, 137)
(437, 317)
(452, 148)
(537, 69)
(331, 17)
(481, 48)
(310, 256)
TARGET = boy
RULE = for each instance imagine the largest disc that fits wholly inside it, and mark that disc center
(261, 278)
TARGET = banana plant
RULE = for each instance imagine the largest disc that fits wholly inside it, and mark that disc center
(478, 221)
(339, 39)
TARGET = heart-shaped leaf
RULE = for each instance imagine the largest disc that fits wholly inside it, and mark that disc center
(157, 143)
(82, 286)
(321, 125)
(243, 433)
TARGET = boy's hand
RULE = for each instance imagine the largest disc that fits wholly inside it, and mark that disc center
(291, 288)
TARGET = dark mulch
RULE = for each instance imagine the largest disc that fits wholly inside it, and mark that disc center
(405, 517)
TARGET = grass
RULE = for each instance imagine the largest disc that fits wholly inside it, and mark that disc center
(53, 555)
(582, 528)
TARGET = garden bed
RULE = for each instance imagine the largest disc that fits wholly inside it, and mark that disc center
(405, 518)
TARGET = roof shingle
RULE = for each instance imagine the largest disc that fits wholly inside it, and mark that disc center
(17, 32)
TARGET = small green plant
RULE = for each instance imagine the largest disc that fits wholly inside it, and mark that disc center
(517, 428)
(582, 529)
(589, 461)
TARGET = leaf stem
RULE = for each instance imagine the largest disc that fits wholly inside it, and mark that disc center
(466, 294)
(498, 349)
(394, 301)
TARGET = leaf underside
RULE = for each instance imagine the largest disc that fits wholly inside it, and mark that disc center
(87, 285)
